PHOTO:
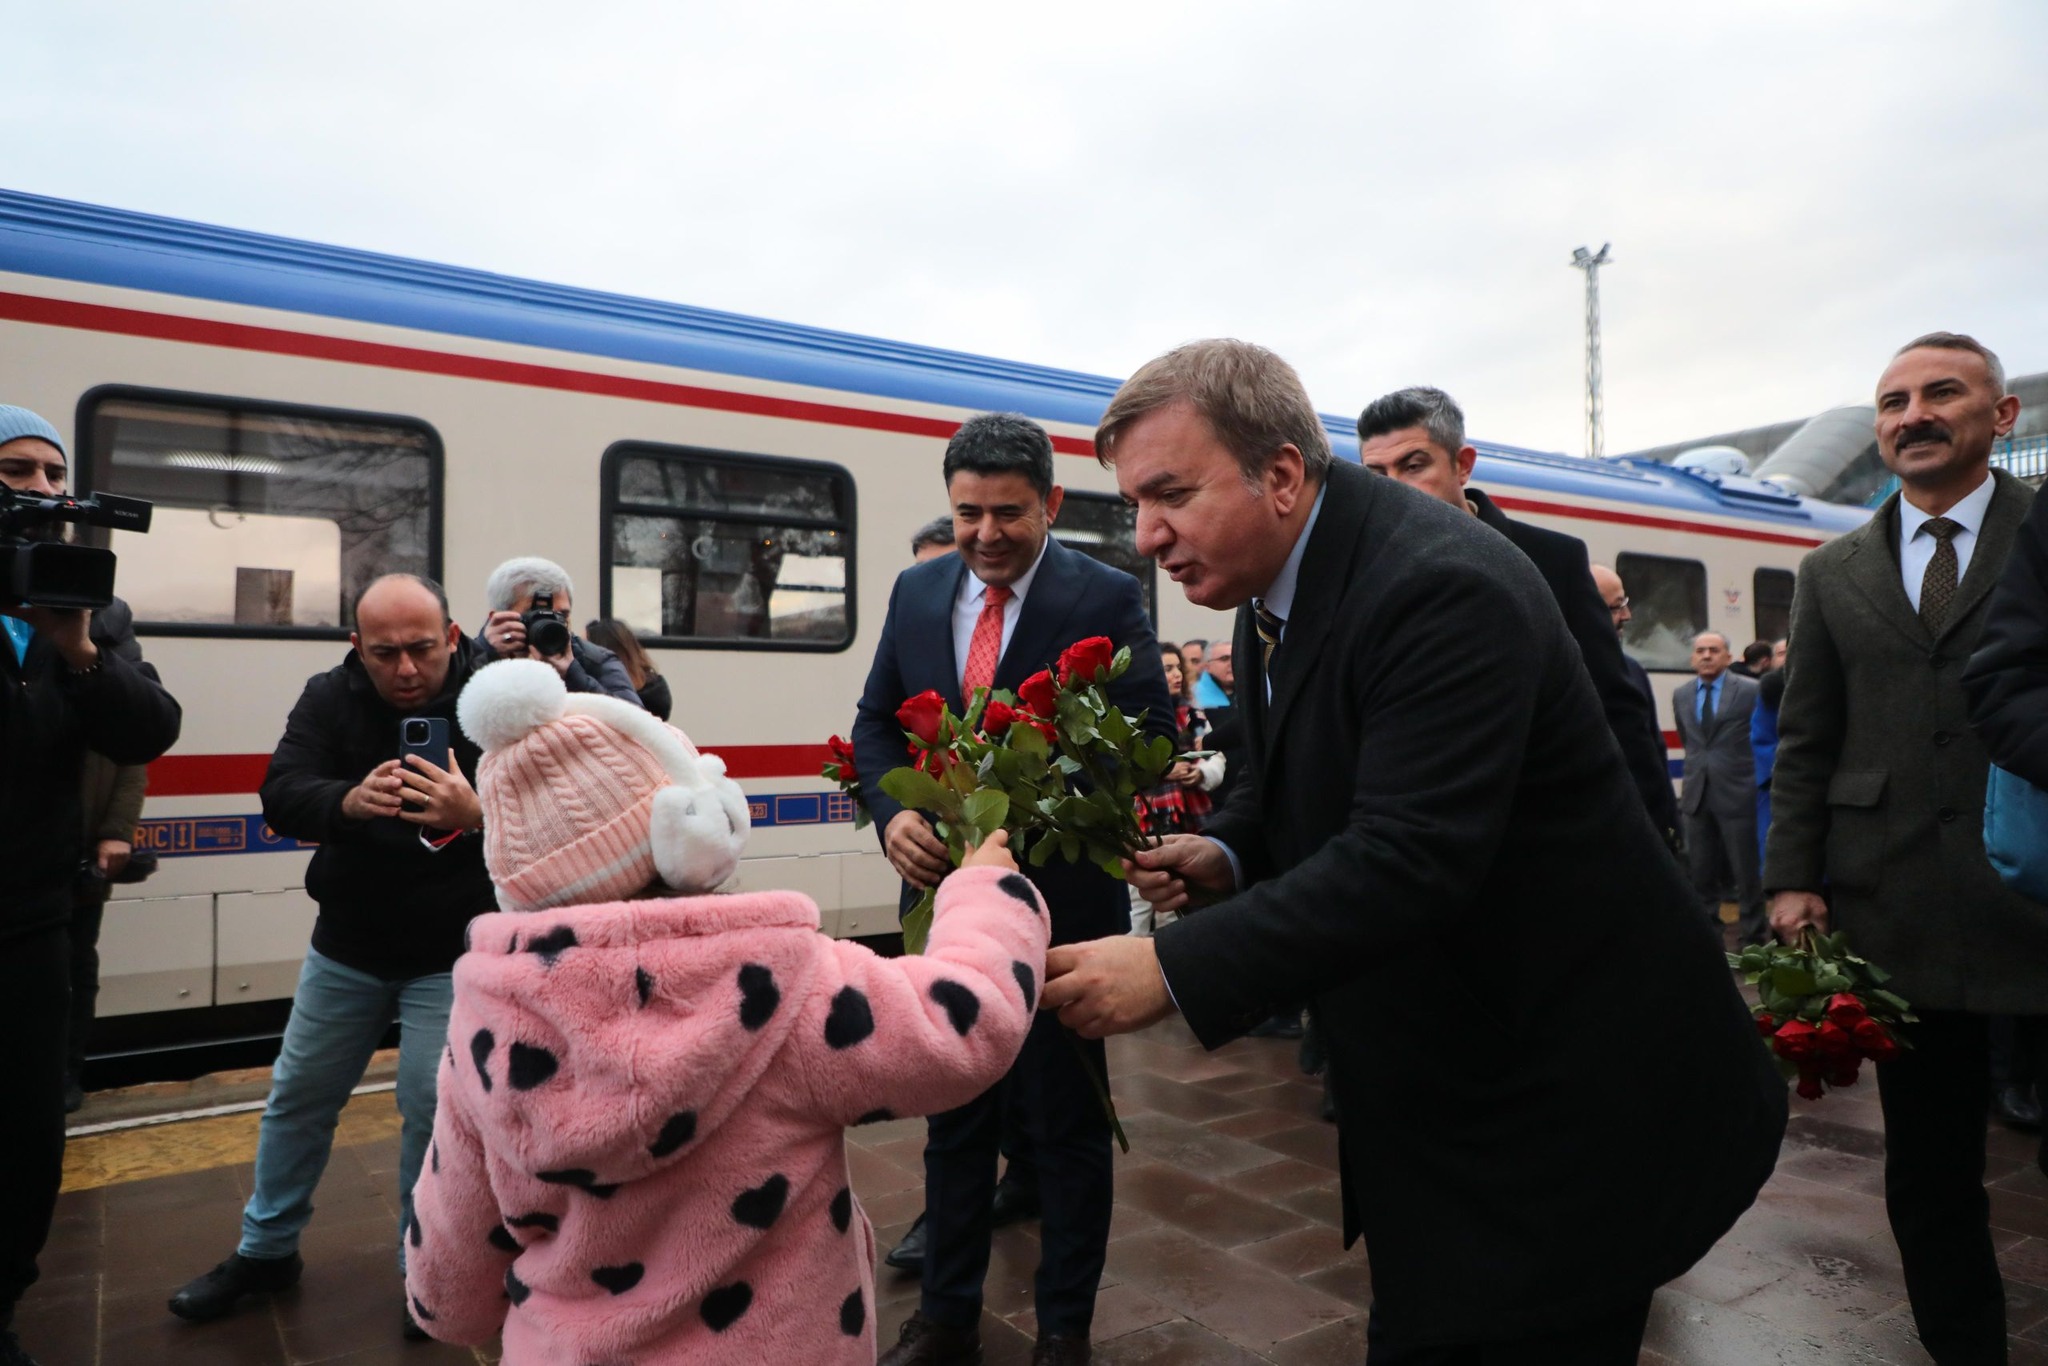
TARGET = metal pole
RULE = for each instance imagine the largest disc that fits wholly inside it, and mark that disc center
(1590, 263)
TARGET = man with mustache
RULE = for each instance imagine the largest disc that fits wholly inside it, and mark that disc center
(1878, 800)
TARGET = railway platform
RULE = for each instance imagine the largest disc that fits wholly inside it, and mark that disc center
(1224, 1250)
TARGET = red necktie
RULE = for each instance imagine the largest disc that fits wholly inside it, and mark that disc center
(986, 647)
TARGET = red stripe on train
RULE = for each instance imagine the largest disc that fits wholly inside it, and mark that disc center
(210, 775)
(132, 322)
(1662, 523)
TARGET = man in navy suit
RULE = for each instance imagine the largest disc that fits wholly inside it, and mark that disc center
(994, 614)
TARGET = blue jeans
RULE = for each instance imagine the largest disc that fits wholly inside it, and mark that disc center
(338, 1017)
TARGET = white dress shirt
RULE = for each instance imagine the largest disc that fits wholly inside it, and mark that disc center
(967, 609)
(1916, 545)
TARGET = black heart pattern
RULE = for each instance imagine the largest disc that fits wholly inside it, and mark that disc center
(762, 1206)
(480, 1045)
(619, 1279)
(723, 1306)
(553, 944)
(876, 1117)
(853, 1315)
(758, 997)
(850, 1020)
(643, 985)
(1016, 885)
(501, 1238)
(516, 1290)
(581, 1179)
(963, 1007)
(1026, 983)
(680, 1129)
(543, 1221)
(842, 1209)
(530, 1066)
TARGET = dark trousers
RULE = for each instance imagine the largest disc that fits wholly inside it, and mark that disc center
(35, 984)
(86, 914)
(1708, 840)
(1069, 1136)
(1614, 1340)
(1934, 1096)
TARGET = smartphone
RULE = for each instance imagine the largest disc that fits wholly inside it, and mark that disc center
(426, 736)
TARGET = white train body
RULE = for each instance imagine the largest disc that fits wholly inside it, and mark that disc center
(532, 419)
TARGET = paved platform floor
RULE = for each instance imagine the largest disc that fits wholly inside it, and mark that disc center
(1224, 1248)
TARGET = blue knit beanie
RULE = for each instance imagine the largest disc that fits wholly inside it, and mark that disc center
(19, 422)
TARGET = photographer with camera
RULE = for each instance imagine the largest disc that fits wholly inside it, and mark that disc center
(531, 599)
(398, 875)
(65, 689)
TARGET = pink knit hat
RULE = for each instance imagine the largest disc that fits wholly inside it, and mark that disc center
(587, 798)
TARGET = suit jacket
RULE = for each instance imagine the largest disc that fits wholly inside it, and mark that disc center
(1720, 767)
(1430, 795)
(1631, 711)
(1878, 790)
(1072, 598)
(2007, 678)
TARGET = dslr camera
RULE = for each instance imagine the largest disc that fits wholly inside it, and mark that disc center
(38, 568)
(547, 630)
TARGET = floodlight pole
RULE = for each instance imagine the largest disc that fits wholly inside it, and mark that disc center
(1590, 263)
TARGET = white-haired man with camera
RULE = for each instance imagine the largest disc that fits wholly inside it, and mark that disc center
(531, 599)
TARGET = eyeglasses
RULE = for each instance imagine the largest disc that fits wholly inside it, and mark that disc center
(1619, 607)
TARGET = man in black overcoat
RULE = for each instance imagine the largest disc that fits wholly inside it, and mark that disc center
(995, 613)
(1535, 1131)
(1417, 435)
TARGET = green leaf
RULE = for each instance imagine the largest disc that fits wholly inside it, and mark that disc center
(1793, 981)
(987, 809)
(1042, 852)
(918, 791)
(917, 922)
(1115, 727)
(1027, 740)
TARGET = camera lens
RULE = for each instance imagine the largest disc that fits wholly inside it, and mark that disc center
(415, 732)
(549, 635)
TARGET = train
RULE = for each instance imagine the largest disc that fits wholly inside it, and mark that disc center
(742, 492)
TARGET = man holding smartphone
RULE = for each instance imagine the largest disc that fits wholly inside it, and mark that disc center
(398, 875)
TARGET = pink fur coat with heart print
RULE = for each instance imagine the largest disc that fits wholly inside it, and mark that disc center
(639, 1154)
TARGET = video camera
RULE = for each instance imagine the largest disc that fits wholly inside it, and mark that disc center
(39, 570)
(547, 630)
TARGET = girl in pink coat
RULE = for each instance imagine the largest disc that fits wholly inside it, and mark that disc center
(639, 1152)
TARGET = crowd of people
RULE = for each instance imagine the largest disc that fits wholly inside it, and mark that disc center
(625, 1084)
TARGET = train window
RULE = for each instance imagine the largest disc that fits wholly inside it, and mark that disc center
(270, 519)
(714, 550)
(1668, 601)
(1103, 527)
(1772, 593)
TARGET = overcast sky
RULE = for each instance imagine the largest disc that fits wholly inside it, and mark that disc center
(1385, 194)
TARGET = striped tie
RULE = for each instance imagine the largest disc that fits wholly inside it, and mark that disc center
(1270, 627)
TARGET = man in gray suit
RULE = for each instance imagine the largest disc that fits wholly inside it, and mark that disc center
(1878, 797)
(1719, 796)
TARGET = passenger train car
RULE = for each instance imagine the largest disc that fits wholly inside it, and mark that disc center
(742, 492)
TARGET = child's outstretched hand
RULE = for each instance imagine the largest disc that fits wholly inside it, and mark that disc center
(993, 852)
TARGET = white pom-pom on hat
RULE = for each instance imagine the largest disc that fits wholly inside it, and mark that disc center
(509, 700)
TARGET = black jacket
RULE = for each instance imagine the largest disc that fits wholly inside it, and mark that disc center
(389, 906)
(592, 668)
(1631, 711)
(49, 718)
(2007, 676)
(1072, 598)
(1553, 1098)
(655, 696)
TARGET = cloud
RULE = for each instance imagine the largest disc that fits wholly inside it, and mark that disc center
(1385, 194)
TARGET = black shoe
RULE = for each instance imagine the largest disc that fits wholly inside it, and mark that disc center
(2016, 1108)
(924, 1343)
(217, 1292)
(1062, 1349)
(1329, 1102)
(1013, 1204)
(908, 1255)
(12, 1353)
(74, 1101)
(1282, 1026)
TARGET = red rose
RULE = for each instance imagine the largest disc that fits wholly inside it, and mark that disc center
(1040, 695)
(1045, 728)
(1084, 659)
(1809, 1081)
(842, 755)
(920, 716)
(1766, 1024)
(1833, 1041)
(1874, 1041)
(1845, 1010)
(1794, 1040)
(996, 719)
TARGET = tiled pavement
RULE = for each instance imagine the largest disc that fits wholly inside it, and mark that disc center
(1224, 1249)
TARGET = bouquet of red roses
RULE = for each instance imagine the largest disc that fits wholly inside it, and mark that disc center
(1822, 1009)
